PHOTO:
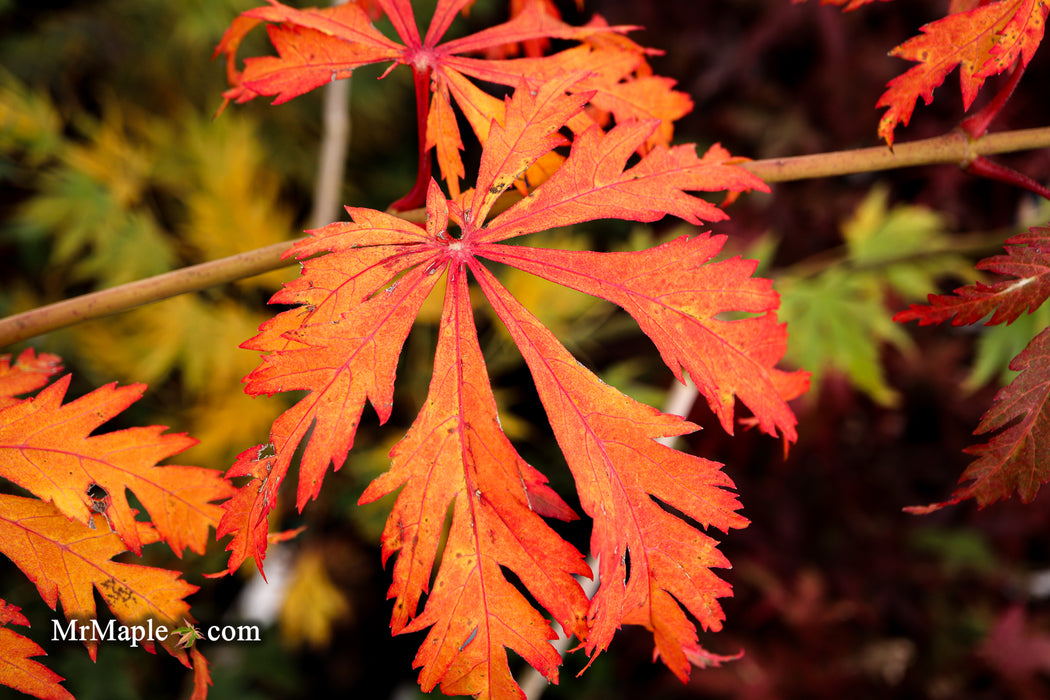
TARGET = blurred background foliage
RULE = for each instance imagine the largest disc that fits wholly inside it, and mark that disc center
(114, 169)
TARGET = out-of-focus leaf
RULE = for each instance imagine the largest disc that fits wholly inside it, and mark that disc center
(998, 345)
(959, 550)
(28, 121)
(312, 605)
(837, 322)
(898, 241)
(838, 317)
(232, 198)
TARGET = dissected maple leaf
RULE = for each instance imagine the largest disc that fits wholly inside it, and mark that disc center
(530, 47)
(67, 560)
(623, 476)
(18, 670)
(1027, 259)
(46, 447)
(982, 41)
(64, 544)
(726, 359)
(1017, 458)
(456, 452)
(316, 46)
(29, 372)
(341, 343)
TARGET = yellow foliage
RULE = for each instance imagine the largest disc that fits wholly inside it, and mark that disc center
(235, 205)
(120, 154)
(199, 340)
(28, 121)
(136, 194)
(92, 206)
(313, 605)
(197, 337)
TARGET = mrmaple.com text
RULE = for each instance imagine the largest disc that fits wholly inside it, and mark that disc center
(148, 632)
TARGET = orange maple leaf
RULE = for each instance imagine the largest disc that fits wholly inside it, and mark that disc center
(46, 447)
(341, 344)
(609, 441)
(982, 41)
(316, 46)
(17, 668)
(29, 372)
(68, 561)
(64, 544)
(456, 453)
(65, 558)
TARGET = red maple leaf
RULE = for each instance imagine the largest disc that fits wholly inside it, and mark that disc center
(982, 41)
(1017, 458)
(341, 345)
(316, 46)
(1027, 260)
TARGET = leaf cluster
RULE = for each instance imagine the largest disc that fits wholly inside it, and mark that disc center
(571, 126)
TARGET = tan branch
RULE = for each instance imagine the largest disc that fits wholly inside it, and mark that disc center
(953, 148)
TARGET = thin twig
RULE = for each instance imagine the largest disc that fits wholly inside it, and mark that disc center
(334, 144)
(955, 148)
(44, 319)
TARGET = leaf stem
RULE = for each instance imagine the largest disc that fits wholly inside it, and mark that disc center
(954, 147)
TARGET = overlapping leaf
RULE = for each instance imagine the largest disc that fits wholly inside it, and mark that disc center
(65, 543)
(982, 41)
(28, 373)
(66, 560)
(675, 293)
(456, 453)
(316, 46)
(1027, 259)
(47, 447)
(1017, 459)
(341, 343)
(623, 476)
(18, 669)
(69, 561)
